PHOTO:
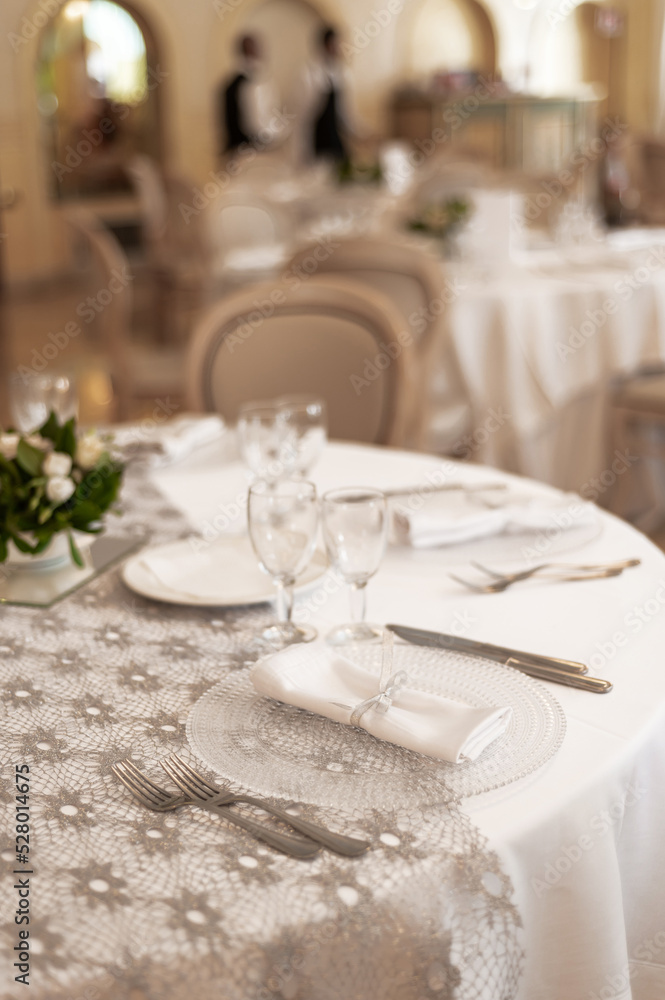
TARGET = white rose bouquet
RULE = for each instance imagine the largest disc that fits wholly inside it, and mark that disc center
(53, 481)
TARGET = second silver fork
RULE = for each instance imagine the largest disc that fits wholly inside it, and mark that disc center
(152, 796)
(569, 572)
(196, 786)
(565, 567)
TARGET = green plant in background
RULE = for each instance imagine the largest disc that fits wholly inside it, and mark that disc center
(358, 172)
(53, 481)
(442, 219)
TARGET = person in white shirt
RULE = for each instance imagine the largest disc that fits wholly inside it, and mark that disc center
(248, 101)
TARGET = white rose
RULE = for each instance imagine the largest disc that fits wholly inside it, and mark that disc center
(37, 441)
(89, 450)
(8, 445)
(59, 489)
(57, 464)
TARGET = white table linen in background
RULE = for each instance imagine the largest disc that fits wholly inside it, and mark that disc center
(539, 345)
(582, 839)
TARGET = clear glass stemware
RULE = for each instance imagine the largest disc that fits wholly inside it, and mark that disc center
(262, 441)
(304, 421)
(283, 521)
(33, 396)
(355, 529)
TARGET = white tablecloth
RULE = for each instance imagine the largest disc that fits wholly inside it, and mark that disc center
(582, 838)
(539, 344)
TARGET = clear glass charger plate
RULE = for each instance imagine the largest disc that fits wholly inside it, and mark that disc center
(277, 750)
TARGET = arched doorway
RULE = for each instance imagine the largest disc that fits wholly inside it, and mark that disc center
(98, 99)
(454, 36)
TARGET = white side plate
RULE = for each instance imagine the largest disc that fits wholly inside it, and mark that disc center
(229, 574)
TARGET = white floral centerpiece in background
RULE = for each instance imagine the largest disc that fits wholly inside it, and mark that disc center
(443, 219)
(53, 482)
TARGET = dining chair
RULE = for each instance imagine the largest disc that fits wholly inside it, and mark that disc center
(328, 337)
(177, 253)
(638, 432)
(415, 281)
(249, 237)
(139, 371)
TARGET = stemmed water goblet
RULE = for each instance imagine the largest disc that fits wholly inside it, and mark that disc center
(262, 442)
(355, 529)
(304, 423)
(33, 396)
(283, 521)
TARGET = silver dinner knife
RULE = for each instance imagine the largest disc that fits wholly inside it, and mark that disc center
(545, 668)
(425, 488)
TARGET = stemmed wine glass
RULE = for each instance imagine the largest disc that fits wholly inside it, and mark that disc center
(283, 522)
(304, 422)
(261, 438)
(33, 397)
(355, 529)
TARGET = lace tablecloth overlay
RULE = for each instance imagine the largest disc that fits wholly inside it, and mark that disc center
(127, 903)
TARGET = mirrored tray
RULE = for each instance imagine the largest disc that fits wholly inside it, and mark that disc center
(275, 749)
(36, 587)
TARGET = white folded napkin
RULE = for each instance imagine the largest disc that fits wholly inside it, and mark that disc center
(449, 520)
(318, 678)
(170, 442)
(259, 258)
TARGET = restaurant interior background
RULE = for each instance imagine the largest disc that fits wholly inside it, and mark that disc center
(536, 82)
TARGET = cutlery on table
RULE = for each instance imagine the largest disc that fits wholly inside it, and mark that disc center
(570, 573)
(547, 668)
(154, 797)
(424, 488)
(583, 568)
(199, 788)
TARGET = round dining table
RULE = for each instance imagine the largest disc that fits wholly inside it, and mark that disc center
(545, 884)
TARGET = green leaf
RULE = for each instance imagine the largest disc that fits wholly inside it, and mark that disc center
(9, 468)
(75, 554)
(51, 429)
(29, 459)
(43, 542)
(21, 544)
(3, 548)
(44, 515)
(85, 511)
(36, 500)
(67, 439)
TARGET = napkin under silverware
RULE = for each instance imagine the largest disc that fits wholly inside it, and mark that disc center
(318, 678)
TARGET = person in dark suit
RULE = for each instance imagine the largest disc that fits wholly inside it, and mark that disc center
(236, 99)
(326, 84)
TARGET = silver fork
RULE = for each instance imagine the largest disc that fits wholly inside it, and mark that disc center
(498, 586)
(154, 797)
(194, 784)
(526, 573)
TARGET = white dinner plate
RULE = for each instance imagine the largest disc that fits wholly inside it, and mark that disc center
(228, 566)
